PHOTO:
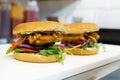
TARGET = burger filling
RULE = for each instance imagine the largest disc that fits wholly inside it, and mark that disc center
(42, 43)
(86, 40)
(41, 38)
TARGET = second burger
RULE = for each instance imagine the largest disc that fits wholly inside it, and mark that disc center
(81, 38)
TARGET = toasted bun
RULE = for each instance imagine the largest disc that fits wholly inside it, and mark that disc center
(31, 57)
(78, 28)
(38, 26)
(79, 51)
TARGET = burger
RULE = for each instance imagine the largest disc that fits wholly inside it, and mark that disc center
(81, 38)
(37, 42)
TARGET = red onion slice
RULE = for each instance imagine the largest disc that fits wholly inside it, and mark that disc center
(31, 47)
(79, 45)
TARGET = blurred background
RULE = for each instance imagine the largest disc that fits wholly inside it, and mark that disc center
(105, 13)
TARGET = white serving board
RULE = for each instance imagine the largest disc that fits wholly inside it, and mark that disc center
(11, 69)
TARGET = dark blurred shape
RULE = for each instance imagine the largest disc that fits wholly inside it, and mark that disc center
(4, 21)
(110, 36)
(52, 18)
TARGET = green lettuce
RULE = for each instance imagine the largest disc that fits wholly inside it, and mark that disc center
(91, 45)
(17, 50)
(52, 50)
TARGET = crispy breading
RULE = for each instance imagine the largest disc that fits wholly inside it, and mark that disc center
(93, 36)
(41, 39)
(38, 39)
(71, 38)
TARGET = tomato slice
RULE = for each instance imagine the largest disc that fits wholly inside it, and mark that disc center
(29, 50)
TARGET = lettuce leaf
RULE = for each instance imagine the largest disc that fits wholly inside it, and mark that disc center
(8, 51)
(52, 50)
(91, 45)
(17, 49)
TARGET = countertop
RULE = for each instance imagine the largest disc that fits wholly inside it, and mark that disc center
(11, 69)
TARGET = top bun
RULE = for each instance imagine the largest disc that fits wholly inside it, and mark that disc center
(38, 26)
(78, 28)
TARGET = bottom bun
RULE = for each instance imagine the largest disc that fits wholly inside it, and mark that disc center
(79, 51)
(31, 57)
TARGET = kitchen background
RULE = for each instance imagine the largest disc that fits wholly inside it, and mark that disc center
(105, 13)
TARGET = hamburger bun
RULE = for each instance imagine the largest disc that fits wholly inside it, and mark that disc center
(32, 57)
(78, 28)
(37, 26)
(79, 51)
